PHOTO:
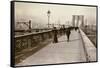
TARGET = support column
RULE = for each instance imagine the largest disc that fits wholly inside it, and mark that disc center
(82, 19)
(73, 20)
(78, 18)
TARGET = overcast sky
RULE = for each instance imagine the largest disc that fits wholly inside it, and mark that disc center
(38, 13)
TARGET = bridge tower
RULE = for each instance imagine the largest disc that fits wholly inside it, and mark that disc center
(76, 19)
(73, 20)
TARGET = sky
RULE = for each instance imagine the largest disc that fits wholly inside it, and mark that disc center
(37, 13)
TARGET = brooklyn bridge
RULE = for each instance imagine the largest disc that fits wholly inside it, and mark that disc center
(36, 46)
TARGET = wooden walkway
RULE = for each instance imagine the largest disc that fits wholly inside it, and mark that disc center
(61, 52)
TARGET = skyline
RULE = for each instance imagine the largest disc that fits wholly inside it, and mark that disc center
(59, 13)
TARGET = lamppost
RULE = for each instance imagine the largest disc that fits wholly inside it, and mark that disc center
(48, 14)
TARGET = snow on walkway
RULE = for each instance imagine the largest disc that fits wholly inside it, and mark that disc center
(61, 52)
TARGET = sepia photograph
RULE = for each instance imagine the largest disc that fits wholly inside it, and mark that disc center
(53, 33)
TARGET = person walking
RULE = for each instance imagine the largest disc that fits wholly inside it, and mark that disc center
(64, 29)
(68, 32)
(55, 39)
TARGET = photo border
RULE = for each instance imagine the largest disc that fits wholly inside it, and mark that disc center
(12, 40)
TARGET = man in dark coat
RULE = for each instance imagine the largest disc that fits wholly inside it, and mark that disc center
(68, 32)
(55, 39)
(76, 28)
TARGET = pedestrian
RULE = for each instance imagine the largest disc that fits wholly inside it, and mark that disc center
(64, 29)
(76, 28)
(61, 31)
(68, 32)
(55, 39)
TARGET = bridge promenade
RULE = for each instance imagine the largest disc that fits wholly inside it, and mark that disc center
(78, 49)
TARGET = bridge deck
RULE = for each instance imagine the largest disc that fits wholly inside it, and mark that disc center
(61, 52)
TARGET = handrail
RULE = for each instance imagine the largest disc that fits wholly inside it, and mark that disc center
(85, 51)
(16, 36)
(31, 39)
(89, 48)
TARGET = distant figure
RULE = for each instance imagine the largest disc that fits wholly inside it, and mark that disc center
(76, 28)
(64, 29)
(61, 31)
(55, 39)
(68, 32)
(37, 30)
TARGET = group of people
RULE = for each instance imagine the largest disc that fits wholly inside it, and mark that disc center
(66, 31)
